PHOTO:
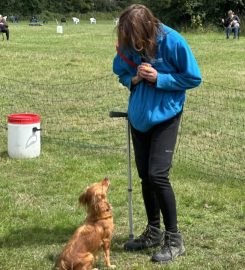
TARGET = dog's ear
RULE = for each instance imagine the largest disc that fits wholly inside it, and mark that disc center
(83, 199)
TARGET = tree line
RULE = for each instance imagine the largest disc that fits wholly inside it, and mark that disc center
(174, 12)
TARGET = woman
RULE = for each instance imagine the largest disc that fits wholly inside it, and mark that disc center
(155, 63)
(4, 26)
(232, 23)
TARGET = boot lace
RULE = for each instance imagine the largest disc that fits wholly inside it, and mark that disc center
(166, 246)
(145, 236)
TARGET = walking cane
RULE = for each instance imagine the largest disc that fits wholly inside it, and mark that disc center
(130, 188)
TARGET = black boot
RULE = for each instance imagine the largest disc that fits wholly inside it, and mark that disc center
(151, 237)
(171, 248)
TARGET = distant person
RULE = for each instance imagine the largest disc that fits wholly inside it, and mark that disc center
(33, 19)
(14, 19)
(4, 26)
(157, 65)
(63, 20)
(232, 24)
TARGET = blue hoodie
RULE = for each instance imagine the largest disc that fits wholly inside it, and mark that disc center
(177, 70)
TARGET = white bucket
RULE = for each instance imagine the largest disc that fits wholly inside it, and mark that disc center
(24, 135)
(59, 29)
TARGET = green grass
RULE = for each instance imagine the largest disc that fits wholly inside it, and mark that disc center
(67, 79)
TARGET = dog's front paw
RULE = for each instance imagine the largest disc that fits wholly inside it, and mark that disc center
(112, 266)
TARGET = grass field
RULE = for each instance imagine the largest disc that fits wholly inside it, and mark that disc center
(67, 79)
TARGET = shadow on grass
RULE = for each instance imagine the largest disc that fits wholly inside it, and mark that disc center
(36, 236)
(117, 245)
(48, 236)
(4, 155)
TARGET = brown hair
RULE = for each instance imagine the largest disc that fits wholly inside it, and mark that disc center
(138, 29)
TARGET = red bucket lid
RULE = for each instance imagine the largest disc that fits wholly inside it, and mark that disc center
(24, 118)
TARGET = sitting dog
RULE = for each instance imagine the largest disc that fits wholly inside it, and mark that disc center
(96, 232)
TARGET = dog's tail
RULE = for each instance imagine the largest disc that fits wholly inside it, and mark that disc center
(86, 260)
(61, 265)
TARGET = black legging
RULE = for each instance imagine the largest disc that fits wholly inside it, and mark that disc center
(153, 155)
(6, 31)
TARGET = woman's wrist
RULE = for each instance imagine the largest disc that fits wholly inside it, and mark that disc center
(135, 80)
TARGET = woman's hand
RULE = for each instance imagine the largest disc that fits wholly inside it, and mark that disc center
(147, 72)
(136, 79)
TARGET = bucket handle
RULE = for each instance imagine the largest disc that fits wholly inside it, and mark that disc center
(35, 129)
